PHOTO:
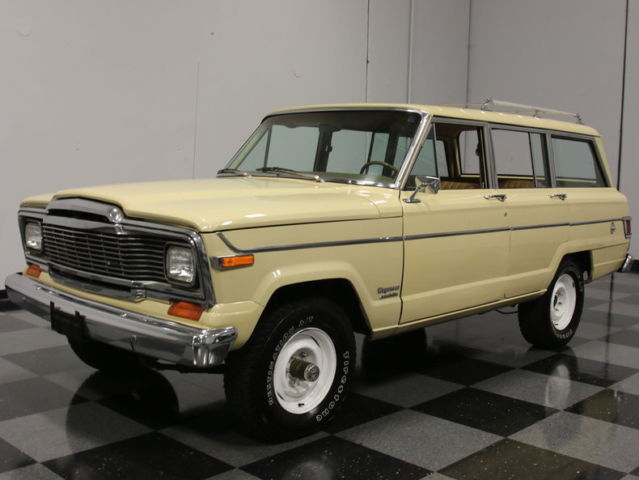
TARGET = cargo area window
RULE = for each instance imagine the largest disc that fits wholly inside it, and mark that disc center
(576, 164)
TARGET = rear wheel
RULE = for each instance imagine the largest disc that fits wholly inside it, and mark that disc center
(291, 377)
(551, 320)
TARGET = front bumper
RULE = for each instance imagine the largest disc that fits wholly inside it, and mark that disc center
(155, 337)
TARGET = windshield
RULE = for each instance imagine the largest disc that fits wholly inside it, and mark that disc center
(344, 146)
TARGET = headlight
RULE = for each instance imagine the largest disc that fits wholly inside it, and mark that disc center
(180, 265)
(33, 236)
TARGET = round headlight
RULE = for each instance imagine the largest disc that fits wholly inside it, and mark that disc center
(180, 264)
(33, 236)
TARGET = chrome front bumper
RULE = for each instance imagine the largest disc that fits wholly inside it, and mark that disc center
(627, 265)
(155, 337)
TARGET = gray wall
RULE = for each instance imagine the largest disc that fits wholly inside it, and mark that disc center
(96, 92)
(629, 183)
(567, 55)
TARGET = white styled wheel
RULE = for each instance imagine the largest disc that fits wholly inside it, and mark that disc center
(292, 376)
(563, 301)
(550, 321)
(304, 370)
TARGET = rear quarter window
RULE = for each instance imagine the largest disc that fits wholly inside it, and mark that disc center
(576, 164)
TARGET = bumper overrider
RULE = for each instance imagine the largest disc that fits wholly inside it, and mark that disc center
(151, 336)
(627, 264)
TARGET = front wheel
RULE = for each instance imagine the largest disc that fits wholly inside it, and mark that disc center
(551, 320)
(291, 377)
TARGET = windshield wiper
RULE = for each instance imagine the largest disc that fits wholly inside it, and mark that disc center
(290, 172)
(232, 171)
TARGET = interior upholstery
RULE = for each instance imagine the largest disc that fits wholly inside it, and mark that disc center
(516, 183)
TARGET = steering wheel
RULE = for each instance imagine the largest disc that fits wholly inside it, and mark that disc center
(384, 164)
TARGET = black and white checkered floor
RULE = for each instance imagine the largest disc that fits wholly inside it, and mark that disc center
(475, 403)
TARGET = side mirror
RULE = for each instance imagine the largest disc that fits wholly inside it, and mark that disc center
(424, 182)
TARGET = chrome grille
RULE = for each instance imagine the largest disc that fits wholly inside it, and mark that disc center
(130, 257)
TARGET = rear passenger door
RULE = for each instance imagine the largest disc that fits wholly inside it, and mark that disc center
(538, 213)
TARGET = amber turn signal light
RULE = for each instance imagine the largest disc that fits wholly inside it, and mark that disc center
(34, 270)
(235, 261)
(188, 310)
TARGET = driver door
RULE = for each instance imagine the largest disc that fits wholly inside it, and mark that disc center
(456, 240)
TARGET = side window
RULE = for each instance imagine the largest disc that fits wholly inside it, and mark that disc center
(576, 164)
(469, 151)
(455, 153)
(540, 163)
(519, 159)
(432, 158)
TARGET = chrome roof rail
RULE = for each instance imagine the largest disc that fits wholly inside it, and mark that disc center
(492, 105)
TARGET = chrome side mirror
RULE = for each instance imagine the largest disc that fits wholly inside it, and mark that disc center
(425, 181)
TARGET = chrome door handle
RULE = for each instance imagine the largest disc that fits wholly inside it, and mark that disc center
(560, 196)
(498, 196)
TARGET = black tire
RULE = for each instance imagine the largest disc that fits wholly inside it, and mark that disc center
(104, 357)
(258, 374)
(539, 321)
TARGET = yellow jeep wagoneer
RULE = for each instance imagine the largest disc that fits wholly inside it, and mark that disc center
(329, 220)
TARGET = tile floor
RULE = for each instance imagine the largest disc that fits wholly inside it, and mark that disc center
(467, 400)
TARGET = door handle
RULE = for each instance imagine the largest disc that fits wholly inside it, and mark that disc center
(560, 196)
(498, 196)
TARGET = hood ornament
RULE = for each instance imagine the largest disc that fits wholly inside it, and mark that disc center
(115, 215)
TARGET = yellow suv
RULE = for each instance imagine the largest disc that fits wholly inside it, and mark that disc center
(329, 220)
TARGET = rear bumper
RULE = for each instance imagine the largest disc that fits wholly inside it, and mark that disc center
(147, 335)
(627, 265)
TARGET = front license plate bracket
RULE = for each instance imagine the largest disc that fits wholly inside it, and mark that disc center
(73, 326)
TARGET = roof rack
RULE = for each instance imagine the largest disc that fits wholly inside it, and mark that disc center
(525, 109)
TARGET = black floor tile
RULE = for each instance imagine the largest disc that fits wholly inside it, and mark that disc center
(10, 324)
(359, 409)
(508, 460)
(387, 357)
(486, 411)
(334, 458)
(624, 337)
(590, 302)
(608, 318)
(466, 371)
(616, 286)
(12, 458)
(581, 370)
(611, 406)
(146, 397)
(632, 299)
(150, 456)
(33, 395)
(47, 360)
(7, 306)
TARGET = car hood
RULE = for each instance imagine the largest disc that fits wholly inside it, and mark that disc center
(241, 202)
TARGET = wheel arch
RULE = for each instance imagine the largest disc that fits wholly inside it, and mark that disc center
(583, 259)
(339, 290)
